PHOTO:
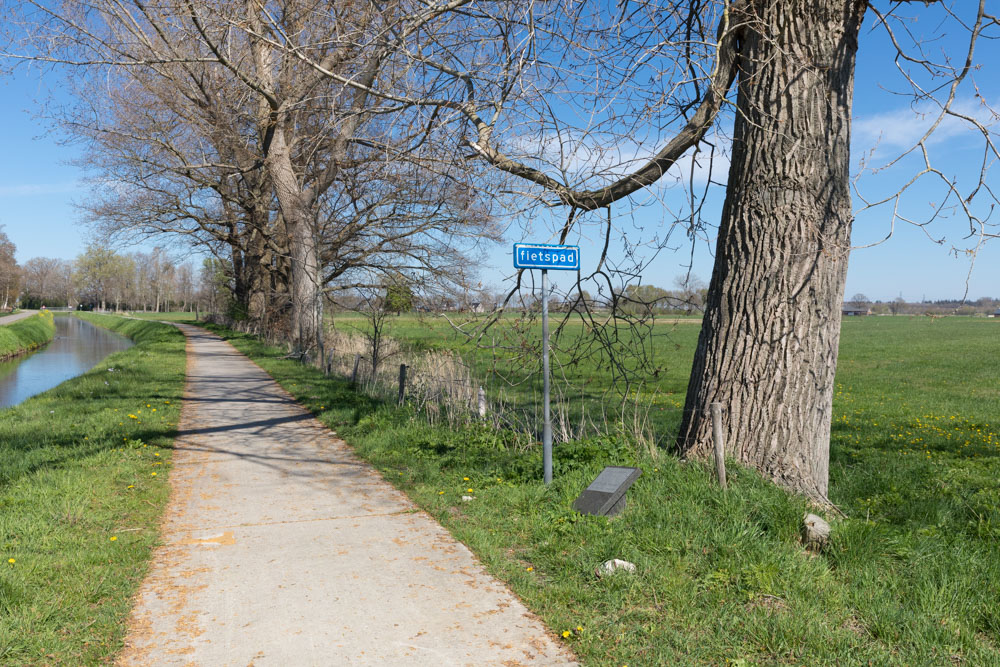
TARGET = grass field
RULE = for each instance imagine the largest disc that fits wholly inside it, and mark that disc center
(178, 316)
(912, 576)
(83, 481)
(25, 335)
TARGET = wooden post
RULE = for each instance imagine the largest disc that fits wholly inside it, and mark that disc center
(329, 362)
(402, 383)
(482, 402)
(354, 373)
(720, 443)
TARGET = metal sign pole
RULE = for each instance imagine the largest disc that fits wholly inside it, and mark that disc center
(545, 256)
(547, 428)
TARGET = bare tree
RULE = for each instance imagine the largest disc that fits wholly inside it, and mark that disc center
(10, 272)
(767, 348)
(96, 271)
(41, 276)
(210, 117)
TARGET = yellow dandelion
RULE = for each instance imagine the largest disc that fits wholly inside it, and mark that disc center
(566, 634)
(440, 493)
(579, 628)
(529, 569)
(465, 479)
(11, 561)
(114, 538)
(152, 474)
(156, 454)
(469, 490)
(130, 486)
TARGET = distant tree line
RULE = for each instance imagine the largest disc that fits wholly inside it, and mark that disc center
(899, 306)
(102, 279)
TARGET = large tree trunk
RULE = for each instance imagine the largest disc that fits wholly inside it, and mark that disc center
(299, 223)
(293, 202)
(259, 269)
(768, 346)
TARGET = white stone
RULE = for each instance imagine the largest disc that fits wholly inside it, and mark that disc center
(815, 532)
(614, 565)
(468, 498)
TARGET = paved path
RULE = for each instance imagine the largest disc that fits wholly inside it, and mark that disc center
(10, 319)
(281, 548)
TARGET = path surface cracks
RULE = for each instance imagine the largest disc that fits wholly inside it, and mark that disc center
(281, 547)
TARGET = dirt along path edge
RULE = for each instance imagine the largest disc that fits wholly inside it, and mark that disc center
(281, 547)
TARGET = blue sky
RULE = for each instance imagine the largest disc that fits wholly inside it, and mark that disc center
(38, 186)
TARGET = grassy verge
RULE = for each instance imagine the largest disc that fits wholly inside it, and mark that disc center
(83, 481)
(178, 316)
(911, 577)
(26, 334)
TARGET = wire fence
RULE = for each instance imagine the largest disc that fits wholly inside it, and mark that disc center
(445, 388)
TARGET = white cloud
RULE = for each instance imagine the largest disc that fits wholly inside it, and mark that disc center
(901, 128)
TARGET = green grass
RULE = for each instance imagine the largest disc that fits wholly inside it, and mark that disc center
(178, 316)
(26, 334)
(76, 470)
(912, 576)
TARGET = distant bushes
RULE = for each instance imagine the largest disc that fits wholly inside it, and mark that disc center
(25, 335)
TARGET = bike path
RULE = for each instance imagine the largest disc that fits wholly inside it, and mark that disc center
(281, 547)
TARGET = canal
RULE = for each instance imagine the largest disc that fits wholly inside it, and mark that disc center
(77, 347)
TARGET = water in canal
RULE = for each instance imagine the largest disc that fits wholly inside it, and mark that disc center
(77, 347)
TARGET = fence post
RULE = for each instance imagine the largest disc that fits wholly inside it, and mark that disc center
(402, 383)
(354, 373)
(720, 444)
(482, 402)
(329, 362)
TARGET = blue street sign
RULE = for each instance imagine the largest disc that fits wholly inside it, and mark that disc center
(544, 256)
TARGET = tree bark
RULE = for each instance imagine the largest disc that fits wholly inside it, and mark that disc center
(298, 218)
(293, 202)
(768, 345)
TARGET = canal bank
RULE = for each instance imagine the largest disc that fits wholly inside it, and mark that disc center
(78, 345)
(26, 334)
(83, 482)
